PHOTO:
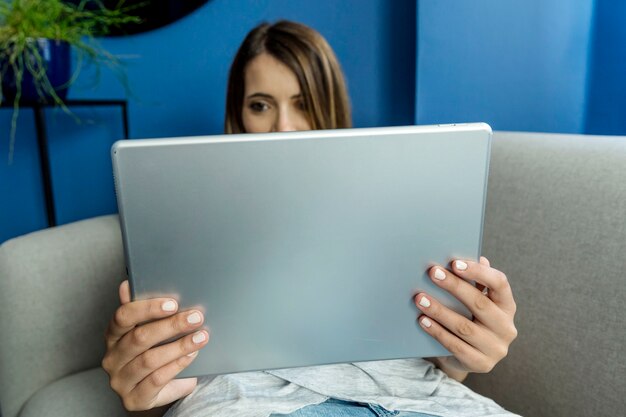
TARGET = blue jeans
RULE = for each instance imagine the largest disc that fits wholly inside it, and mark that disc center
(338, 408)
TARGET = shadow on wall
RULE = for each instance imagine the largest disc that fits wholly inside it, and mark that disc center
(606, 101)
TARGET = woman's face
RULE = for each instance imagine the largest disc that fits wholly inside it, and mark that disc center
(272, 100)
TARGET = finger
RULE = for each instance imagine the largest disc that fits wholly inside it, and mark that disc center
(160, 387)
(498, 284)
(475, 335)
(481, 287)
(149, 397)
(124, 292)
(469, 357)
(111, 334)
(131, 314)
(144, 337)
(479, 304)
(155, 358)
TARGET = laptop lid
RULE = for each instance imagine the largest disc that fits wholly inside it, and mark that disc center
(302, 248)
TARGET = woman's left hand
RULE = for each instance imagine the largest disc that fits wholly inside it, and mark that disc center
(477, 344)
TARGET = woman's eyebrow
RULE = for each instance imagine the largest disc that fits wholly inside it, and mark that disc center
(269, 96)
(261, 95)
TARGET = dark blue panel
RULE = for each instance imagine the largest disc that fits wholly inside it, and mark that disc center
(606, 114)
(22, 208)
(81, 170)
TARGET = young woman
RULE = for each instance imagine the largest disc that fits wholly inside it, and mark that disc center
(286, 77)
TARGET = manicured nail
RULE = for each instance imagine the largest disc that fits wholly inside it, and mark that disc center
(424, 302)
(426, 322)
(168, 306)
(193, 354)
(194, 318)
(199, 337)
(439, 274)
(460, 265)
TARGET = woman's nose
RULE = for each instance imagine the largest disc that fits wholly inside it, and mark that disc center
(285, 122)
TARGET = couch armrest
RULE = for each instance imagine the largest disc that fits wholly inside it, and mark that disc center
(85, 394)
(58, 289)
(555, 223)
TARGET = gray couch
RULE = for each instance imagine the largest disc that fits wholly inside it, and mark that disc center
(555, 223)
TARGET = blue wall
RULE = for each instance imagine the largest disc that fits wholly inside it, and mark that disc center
(529, 65)
(178, 75)
(515, 64)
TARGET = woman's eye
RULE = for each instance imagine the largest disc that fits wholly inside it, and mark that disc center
(258, 107)
(301, 105)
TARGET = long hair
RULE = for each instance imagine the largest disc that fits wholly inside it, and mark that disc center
(305, 52)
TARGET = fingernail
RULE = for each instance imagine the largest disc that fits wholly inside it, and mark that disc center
(199, 337)
(192, 354)
(168, 306)
(194, 318)
(460, 265)
(424, 302)
(426, 322)
(439, 274)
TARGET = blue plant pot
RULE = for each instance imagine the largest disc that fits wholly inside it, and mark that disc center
(56, 61)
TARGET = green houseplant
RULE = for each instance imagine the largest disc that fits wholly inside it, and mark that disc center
(29, 26)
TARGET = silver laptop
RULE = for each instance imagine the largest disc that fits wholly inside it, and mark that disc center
(302, 248)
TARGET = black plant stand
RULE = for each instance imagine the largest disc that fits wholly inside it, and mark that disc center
(42, 141)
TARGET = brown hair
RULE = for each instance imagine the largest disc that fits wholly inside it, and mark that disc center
(312, 60)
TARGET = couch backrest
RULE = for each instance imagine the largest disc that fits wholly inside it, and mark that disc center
(48, 278)
(555, 223)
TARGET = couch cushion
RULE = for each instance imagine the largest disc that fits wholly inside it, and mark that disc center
(555, 223)
(84, 394)
(58, 290)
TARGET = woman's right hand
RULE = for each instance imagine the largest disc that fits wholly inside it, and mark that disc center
(141, 372)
